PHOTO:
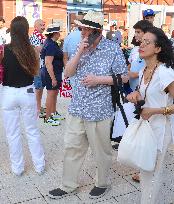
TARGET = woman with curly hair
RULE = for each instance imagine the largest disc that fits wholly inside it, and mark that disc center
(18, 97)
(157, 89)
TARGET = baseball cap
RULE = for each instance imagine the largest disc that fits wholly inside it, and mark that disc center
(148, 12)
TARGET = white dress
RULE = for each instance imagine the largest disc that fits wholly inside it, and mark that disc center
(162, 127)
(157, 98)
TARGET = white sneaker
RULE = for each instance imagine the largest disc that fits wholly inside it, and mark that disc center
(57, 116)
(51, 121)
(18, 174)
(40, 173)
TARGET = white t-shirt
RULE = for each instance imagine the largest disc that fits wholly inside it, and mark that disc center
(156, 97)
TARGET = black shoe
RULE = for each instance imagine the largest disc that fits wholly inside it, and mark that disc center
(115, 146)
(57, 193)
(118, 139)
(97, 192)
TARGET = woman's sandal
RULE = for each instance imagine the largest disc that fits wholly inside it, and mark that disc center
(136, 178)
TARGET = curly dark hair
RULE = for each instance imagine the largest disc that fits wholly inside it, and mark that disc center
(166, 55)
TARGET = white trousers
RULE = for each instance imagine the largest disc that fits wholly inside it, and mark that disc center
(16, 103)
(151, 181)
(79, 135)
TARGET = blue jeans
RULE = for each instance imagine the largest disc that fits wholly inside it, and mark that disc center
(38, 83)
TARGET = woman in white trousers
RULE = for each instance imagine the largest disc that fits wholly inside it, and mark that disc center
(157, 89)
(18, 97)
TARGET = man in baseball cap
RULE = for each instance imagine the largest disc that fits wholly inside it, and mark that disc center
(149, 15)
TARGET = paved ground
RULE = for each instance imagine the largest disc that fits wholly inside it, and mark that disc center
(33, 189)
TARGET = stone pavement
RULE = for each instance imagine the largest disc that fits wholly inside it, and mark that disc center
(33, 189)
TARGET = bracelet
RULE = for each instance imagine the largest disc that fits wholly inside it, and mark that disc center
(167, 111)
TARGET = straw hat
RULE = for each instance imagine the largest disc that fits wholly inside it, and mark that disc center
(92, 19)
(52, 28)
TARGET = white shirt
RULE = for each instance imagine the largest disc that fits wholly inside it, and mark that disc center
(157, 98)
(3, 34)
(8, 38)
(1, 41)
(168, 35)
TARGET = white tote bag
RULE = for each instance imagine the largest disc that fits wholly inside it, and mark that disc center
(119, 124)
(138, 147)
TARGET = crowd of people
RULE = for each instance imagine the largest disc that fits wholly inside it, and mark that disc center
(88, 59)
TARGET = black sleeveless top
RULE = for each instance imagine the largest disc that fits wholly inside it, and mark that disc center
(14, 74)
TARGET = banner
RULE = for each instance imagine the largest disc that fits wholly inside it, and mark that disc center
(66, 89)
(85, 5)
(30, 9)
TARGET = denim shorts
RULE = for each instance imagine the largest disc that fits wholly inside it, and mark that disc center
(38, 83)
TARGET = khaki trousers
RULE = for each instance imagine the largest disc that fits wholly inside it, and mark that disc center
(79, 135)
(151, 181)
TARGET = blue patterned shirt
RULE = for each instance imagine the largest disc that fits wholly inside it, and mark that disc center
(95, 103)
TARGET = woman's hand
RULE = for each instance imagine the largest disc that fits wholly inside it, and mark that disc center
(147, 113)
(90, 80)
(134, 97)
(54, 83)
(83, 46)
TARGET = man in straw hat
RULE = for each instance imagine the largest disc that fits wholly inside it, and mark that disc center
(90, 112)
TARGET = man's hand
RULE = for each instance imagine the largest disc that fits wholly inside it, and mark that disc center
(90, 80)
(83, 46)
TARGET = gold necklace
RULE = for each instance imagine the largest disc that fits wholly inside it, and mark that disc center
(149, 73)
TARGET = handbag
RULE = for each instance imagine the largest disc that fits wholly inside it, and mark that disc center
(1, 66)
(138, 147)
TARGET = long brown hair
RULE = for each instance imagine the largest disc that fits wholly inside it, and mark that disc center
(21, 46)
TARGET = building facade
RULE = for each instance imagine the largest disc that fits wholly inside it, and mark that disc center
(63, 11)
